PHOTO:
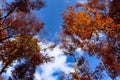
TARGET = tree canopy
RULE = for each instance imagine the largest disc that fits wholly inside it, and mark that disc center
(18, 27)
(93, 27)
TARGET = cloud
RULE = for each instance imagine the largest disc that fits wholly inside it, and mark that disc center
(8, 72)
(82, 1)
(79, 52)
(37, 76)
(58, 64)
(46, 71)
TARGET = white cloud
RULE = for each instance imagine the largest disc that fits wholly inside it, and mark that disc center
(79, 51)
(82, 1)
(48, 69)
(59, 63)
(8, 71)
(37, 76)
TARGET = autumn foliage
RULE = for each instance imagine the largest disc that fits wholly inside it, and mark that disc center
(94, 27)
(18, 27)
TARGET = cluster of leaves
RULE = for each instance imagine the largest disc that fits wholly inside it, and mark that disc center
(94, 27)
(18, 26)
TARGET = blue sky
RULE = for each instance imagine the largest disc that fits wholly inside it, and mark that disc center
(51, 14)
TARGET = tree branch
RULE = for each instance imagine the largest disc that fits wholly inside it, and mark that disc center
(1, 40)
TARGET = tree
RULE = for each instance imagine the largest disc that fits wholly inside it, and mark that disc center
(18, 27)
(94, 27)
(115, 10)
